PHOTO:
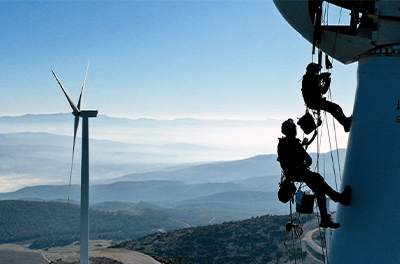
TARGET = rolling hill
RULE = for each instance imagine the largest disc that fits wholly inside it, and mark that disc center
(255, 240)
(232, 201)
(49, 224)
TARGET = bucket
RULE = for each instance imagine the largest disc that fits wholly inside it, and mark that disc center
(306, 123)
(304, 203)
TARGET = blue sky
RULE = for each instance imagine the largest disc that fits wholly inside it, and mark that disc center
(158, 59)
(162, 60)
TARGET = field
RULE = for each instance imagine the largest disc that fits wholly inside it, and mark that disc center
(21, 257)
(21, 254)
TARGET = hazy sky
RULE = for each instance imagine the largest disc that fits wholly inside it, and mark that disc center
(163, 60)
(158, 59)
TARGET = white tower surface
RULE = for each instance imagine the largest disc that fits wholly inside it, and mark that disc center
(369, 231)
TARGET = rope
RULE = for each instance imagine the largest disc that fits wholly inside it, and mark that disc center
(326, 248)
(337, 148)
(334, 46)
(326, 21)
(319, 140)
(317, 168)
(299, 233)
(291, 219)
(330, 146)
(323, 237)
(324, 253)
(295, 229)
(326, 14)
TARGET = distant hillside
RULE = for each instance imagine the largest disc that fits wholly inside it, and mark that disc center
(227, 201)
(50, 224)
(43, 158)
(130, 191)
(185, 140)
(259, 203)
(239, 170)
(126, 206)
(255, 240)
(259, 172)
(46, 158)
(141, 150)
(140, 122)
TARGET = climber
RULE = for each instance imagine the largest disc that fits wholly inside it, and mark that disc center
(295, 163)
(314, 86)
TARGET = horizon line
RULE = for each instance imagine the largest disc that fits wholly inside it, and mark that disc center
(158, 118)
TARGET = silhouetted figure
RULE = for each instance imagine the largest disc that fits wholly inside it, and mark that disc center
(295, 163)
(314, 86)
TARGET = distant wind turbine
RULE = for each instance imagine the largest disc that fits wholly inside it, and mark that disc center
(85, 114)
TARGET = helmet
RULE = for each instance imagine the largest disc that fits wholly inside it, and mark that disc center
(288, 126)
(313, 67)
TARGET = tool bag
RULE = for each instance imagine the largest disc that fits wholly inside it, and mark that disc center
(287, 189)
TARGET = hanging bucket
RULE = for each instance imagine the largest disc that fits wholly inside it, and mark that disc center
(306, 123)
(304, 203)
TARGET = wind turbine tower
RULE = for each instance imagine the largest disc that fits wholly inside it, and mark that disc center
(85, 115)
(369, 231)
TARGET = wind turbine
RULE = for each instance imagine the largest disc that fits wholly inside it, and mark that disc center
(369, 229)
(85, 114)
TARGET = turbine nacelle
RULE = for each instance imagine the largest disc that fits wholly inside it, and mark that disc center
(85, 113)
(88, 113)
(372, 24)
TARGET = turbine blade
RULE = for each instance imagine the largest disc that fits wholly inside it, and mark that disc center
(69, 98)
(83, 88)
(76, 124)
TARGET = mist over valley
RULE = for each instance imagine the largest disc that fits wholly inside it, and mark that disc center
(147, 177)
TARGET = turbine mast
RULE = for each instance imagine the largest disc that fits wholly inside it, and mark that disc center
(85, 186)
(85, 114)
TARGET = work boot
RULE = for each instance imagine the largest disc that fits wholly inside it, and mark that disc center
(347, 124)
(345, 196)
(326, 221)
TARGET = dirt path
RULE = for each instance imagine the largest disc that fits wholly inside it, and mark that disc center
(312, 247)
(41, 253)
(124, 256)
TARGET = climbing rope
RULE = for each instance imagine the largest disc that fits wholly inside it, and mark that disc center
(322, 241)
(325, 21)
(323, 236)
(331, 154)
(317, 115)
(295, 226)
(337, 148)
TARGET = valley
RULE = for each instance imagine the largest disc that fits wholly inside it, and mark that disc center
(138, 191)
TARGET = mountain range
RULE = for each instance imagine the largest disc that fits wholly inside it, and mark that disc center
(175, 183)
(36, 149)
(38, 164)
(42, 158)
(175, 141)
(165, 194)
